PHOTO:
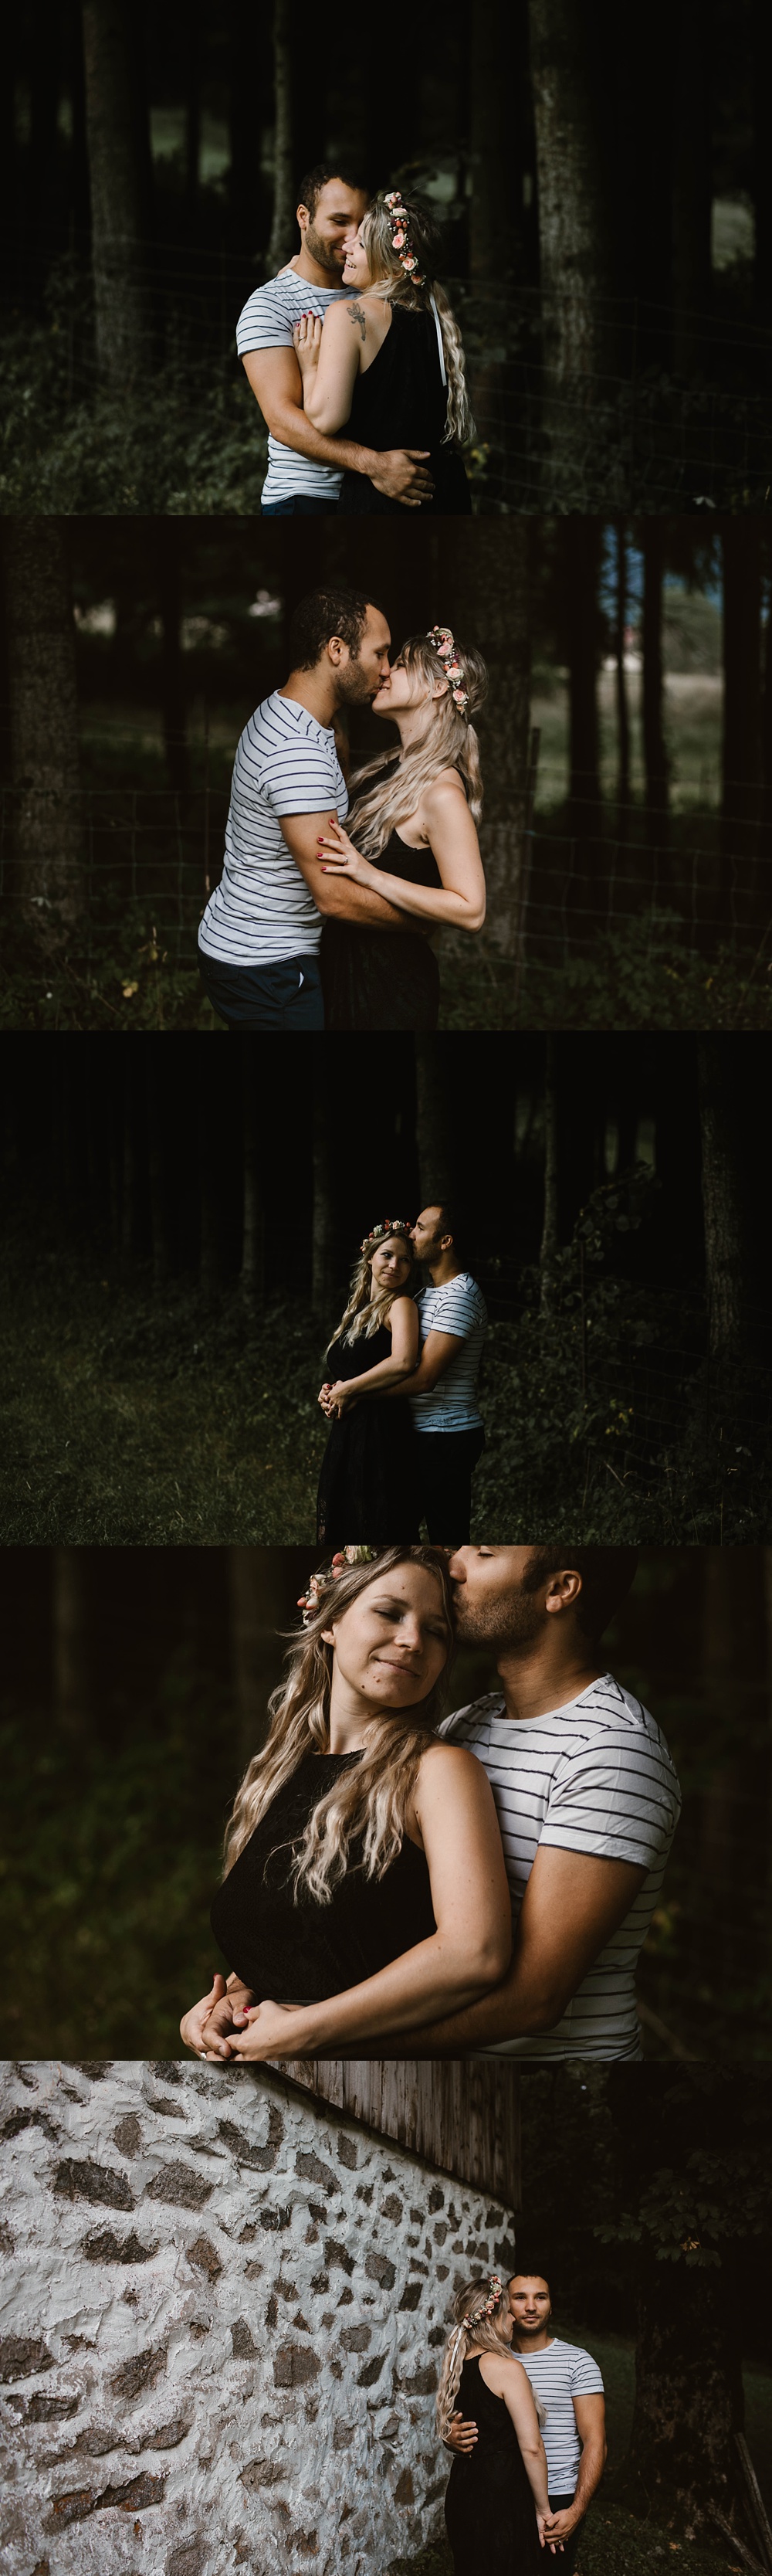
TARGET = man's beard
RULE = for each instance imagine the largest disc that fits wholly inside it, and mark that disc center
(354, 689)
(503, 1620)
(323, 253)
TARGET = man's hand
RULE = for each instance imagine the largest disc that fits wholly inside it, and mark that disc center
(558, 2526)
(209, 2027)
(461, 2437)
(402, 475)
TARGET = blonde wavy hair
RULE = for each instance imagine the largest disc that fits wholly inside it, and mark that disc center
(483, 2333)
(369, 1801)
(448, 741)
(394, 284)
(369, 1306)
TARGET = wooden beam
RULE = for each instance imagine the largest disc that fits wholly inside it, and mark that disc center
(460, 2114)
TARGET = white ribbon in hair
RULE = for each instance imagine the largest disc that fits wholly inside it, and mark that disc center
(440, 344)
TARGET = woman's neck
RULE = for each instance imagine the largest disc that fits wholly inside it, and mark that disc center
(351, 1718)
(411, 724)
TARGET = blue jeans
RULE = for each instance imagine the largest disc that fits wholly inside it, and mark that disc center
(299, 505)
(285, 995)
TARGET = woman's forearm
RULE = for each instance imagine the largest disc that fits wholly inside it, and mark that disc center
(434, 904)
(389, 1373)
(535, 2465)
(399, 1998)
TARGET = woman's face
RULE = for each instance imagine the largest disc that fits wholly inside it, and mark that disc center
(357, 271)
(403, 688)
(391, 1264)
(392, 1643)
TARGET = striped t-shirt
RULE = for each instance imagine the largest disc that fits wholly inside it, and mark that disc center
(267, 323)
(262, 909)
(595, 1776)
(457, 1308)
(558, 2375)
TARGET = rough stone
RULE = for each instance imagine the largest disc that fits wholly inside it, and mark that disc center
(203, 2254)
(21, 2355)
(181, 2186)
(244, 2346)
(105, 2247)
(128, 2135)
(293, 2366)
(245, 2150)
(137, 2373)
(313, 2170)
(378, 2268)
(90, 2181)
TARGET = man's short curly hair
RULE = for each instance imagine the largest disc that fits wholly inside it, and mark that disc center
(322, 614)
(311, 185)
(606, 1572)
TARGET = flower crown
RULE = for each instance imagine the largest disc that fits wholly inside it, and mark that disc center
(485, 2307)
(396, 1225)
(400, 237)
(444, 645)
(310, 1602)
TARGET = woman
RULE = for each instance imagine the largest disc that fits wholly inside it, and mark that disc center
(497, 2502)
(365, 1888)
(412, 835)
(368, 1483)
(387, 363)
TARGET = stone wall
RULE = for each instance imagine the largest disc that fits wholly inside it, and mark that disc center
(222, 2310)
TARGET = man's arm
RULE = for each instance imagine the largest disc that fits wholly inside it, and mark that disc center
(438, 1351)
(572, 1904)
(590, 2415)
(337, 901)
(274, 376)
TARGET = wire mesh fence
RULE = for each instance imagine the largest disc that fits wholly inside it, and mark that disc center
(623, 430)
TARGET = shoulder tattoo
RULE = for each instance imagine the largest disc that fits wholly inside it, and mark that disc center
(355, 314)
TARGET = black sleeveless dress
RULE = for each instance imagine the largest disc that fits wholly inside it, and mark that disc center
(301, 1953)
(401, 401)
(489, 2508)
(383, 979)
(368, 1486)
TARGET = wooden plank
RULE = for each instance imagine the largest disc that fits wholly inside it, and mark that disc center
(460, 2114)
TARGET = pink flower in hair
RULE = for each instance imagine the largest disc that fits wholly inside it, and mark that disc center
(398, 239)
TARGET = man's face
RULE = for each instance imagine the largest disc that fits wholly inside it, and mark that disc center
(529, 2302)
(337, 214)
(490, 1602)
(426, 1234)
(360, 675)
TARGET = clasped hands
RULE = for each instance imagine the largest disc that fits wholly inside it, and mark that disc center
(337, 1398)
(226, 2024)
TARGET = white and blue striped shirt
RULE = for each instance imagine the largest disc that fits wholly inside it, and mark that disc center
(596, 1777)
(459, 1308)
(559, 2375)
(267, 323)
(262, 909)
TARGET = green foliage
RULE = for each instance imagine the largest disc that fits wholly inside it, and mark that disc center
(103, 1950)
(188, 441)
(613, 2543)
(640, 976)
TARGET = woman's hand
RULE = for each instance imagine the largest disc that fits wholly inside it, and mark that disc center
(342, 1395)
(339, 857)
(208, 2029)
(543, 2521)
(307, 337)
(271, 2030)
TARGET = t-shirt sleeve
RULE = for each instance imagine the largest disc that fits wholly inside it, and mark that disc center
(302, 779)
(616, 1798)
(586, 2380)
(265, 322)
(453, 1311)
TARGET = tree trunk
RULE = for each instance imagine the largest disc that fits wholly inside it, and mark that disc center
(573, 241)
(581, 545)
(44, 730)
(69, 1644)
(259, 1579)
(128, 1166)
(741, 546)
(481, 567)
(762, 155)
(433, 1122)
(623, 711)
(45, 33)
(168, 548)
(120, 214)
(655, 759)
(550, 1226)
(159, 1215)
(248, 83)
(322, 1221)
(192, 107)
(691, 55)
(252, 1276)
(724, 1263)
(283, 229)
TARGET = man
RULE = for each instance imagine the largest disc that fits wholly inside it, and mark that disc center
(305, 469)
(259, 936)
(443, 1387)
(570, 2386)
(587, 1801)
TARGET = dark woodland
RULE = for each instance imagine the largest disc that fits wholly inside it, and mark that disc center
(605, 189)
(181, 1225)
(626, 747)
